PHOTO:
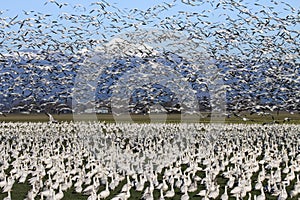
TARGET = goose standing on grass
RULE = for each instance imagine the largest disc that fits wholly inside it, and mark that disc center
(170, 193)
(262, 195)
(8, 195)
(225, 195)
(9, 185)
(32, 193)
(237, 190)
(3, 182)
(47, 193)
(283, 194)
(258, 185)
(163, 185)
(202, 193)
(148, 194)
(93, 195)
(295, 191)
(161, 197)
(105, 193)
(123, 195)
(214, 192)
(185, 196)
(60, 194)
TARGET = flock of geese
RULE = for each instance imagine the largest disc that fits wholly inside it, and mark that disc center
(150, 161)
(255, 44)
(256, 50)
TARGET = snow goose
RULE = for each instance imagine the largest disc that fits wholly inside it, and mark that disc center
(286, 169)
(105, 193)
(32, 193)
(238, 189)
(164, 186)
(125, 186)
(258, 185)
(185, 196)
(140, 185)
(9, 184)
(262, 195)
(123, 195)
(193, 187)
(161, 197)
(170, 193)
(291, 175)
(47, 193)
(178, 183)
(51, 118)
(8, 195)
(148, 194)
(91, 188)
(214, 192)
(78, 188)
(93, 195)
(225, 195)
(3, 182)
(60, 194)
(230, 182)
(283, 194)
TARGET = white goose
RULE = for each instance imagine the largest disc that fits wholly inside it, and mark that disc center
(214, 192)
(225, 195)
(161, 197)
(32, 193)
(258, 185)
(170, 193)
(105, 193)
(3, 182)
(8, 195)
(93, 195)
(9, 184)
(51, 118)
(163, 185)
(60, 194)
(185, 196)
(283, 194)
(122, 195)
(262, 195)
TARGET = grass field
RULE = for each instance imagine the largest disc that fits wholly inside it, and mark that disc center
(171, 118)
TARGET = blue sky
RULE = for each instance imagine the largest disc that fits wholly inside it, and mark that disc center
(51, 8)
(16, 6)
(38, 5)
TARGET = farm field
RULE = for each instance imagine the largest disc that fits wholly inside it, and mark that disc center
(98, 160)
(171, 118)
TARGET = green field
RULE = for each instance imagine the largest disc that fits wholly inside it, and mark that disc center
(171, 118)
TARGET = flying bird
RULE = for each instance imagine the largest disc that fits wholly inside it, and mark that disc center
(51, 119)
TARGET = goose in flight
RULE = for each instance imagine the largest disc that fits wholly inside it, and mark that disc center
(51, 119)
(1, 113)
